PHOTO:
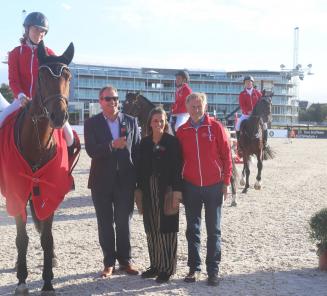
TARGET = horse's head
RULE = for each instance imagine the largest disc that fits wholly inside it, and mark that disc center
(263, 108)
(53, 85)
(137, 105)
(130, 104)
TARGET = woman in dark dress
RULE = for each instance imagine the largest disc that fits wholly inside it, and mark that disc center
(159, 170)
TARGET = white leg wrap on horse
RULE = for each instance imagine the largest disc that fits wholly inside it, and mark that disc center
(257, 185)
(242, 181)
(15, 105)
(68, 132)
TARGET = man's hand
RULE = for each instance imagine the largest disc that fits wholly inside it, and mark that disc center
(119, 143)
(225, 191)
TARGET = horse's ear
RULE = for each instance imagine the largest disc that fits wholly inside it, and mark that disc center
(68, 55)
(41, 53)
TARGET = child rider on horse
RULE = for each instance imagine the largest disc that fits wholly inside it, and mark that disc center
(23, 68)
(247, 100)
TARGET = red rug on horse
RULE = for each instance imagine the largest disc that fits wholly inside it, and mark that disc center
(47, 185)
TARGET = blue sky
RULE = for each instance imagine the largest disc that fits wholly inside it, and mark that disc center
(207, 34)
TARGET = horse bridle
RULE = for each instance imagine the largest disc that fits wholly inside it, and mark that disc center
(44, 100)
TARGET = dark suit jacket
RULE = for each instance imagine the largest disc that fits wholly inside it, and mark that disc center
(107, 162)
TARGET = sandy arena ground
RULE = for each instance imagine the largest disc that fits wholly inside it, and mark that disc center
(265, 245)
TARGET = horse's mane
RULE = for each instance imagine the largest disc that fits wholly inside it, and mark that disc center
(144, 99)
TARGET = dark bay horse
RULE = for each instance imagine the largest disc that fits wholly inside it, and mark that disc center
(251, 139)
(139, 106)
(35, 139)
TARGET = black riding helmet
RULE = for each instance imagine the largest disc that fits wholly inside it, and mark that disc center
(183, 74)
(36, 19)
(248, 78)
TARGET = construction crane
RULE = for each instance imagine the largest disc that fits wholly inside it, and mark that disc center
(298, 72)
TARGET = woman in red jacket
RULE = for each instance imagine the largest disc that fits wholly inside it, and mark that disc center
(23, 67)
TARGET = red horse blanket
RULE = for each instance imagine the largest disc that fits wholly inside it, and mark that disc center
(47, 186)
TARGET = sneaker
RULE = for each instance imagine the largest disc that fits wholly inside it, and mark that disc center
(213, 280)
(163, 277)
(192, 276)
(151, 272)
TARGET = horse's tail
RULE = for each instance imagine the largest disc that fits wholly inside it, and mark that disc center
(268, 153)
(36, 221)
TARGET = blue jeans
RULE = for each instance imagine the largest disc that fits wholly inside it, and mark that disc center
(194, 197)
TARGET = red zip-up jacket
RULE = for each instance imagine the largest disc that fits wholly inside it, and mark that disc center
(248, 102)
(180, 99)
(23, 67)
(206, 153)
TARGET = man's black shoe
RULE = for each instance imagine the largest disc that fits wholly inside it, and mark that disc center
(192, 276)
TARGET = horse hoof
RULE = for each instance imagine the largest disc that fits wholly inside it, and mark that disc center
(48, 293)
(21, 290)
(233, 204)
(245, 190)
(47, 289)
(257, 186)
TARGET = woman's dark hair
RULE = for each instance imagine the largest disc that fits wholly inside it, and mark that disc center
(154, 111)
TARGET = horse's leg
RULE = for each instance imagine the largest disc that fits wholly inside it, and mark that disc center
(233, 181)
(47, 246)
(37, 224)
(234, 194)
(21, 266)
(246, 160)
(242, 181)
(257, 184)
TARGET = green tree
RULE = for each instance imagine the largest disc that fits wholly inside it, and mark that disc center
(316, 113)
(6, 92)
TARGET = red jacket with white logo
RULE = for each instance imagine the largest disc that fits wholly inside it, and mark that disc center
(206, 153)
(23, 69)
(248, 102)
(180, 99)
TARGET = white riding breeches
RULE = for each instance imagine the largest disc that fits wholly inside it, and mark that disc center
(3, 103)
(181, 118)
(15, 105)
(239, 121)
(243, 116)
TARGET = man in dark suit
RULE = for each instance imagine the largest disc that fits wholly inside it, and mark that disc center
(111, 140)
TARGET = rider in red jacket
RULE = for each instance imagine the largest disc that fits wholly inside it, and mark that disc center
(178, 112)
(23, 67)
(247, 100)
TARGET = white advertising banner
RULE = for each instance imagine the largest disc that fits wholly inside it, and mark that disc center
(277, 133)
